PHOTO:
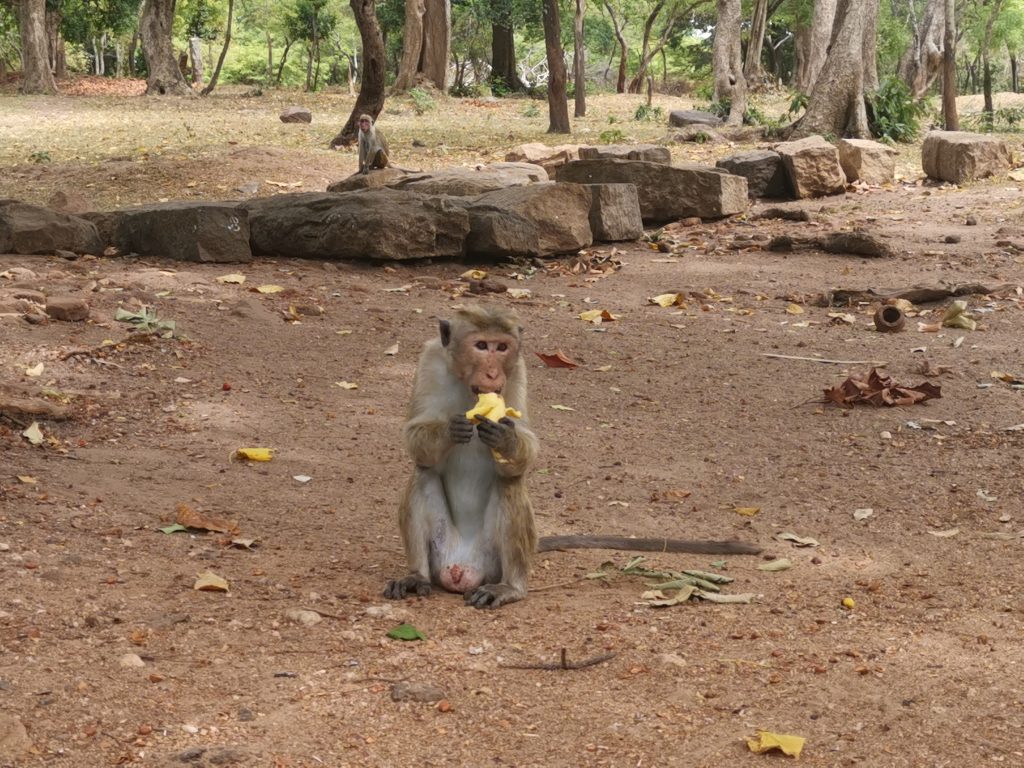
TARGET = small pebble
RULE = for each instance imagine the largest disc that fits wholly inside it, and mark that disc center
(131, 661)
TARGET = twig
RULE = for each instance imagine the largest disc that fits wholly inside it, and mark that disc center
(824, 360)
(559, 585)
(564, 663)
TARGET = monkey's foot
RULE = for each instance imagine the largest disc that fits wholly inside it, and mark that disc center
(411, 585)
(494, 595)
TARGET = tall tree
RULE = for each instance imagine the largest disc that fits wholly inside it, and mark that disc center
(950, 118)
(675, 12)
(815, 45)
(36, 76)
(437, 42)
(752, 70)
(986, 64)
(371, 92)
(619, 29)
(579, 63)
(922, 61)
(504, 70)
(155, 26)
(836, 103)
(730, 84)
(223, 51)
(558, 107)
(412, 45)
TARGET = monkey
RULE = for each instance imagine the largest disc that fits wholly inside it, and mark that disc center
(465, 517)
(373, 147)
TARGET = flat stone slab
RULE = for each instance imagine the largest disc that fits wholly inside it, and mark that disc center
(559, 212)
(459, 182)
(682, 117)
(959, 156)
(32, 229)
(651, 153)
(763, 170)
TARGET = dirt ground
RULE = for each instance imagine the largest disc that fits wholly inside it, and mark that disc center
(677, 422)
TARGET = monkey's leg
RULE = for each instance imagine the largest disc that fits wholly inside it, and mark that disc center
(423, 514)
(516, 540)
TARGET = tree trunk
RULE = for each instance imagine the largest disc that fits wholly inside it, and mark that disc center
(412, 45)
(437, 42)
(504, 73)
(620, 81)
(730, 85)
(118, 59)
(752, 70)
(1014, 74)
(986, 65)
(36, 76)
(132, 49)
(55, 44)
(922, 62)
(371, 93)
(579, 62)
(223, 51)
(870, 50)
(950, 118)
(558, 107)
(817, 44)
(270, 57)
(155, 26)
(836, 105)
(195, 54)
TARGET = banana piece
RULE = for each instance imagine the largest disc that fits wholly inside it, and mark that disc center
(491, 405)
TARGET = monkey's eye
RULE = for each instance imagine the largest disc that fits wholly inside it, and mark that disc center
(503, 347)
(482, 345)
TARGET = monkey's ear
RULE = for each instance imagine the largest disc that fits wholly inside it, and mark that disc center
(446, 332)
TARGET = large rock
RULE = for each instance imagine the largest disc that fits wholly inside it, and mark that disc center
(549, 158)
(615, 212)
(30, 229)
(958, 156)
(499, 233)
(651, 153)
(460, 182)
(385, 224)
(813, 167)
(680, 117)
(667, 192)
(296, 115)
(763, 170)
(185, 231)
(869, 161)
(560, 213)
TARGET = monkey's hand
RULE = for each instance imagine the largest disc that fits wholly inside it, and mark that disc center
(499, 436)
(460, 429)
(365, 171)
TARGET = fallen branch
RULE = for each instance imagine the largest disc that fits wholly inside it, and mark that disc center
(857, 243)
(14, 407)
(564, 663)
(824, 360)
(918, 294)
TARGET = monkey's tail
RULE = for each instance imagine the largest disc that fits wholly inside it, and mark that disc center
(692, 547)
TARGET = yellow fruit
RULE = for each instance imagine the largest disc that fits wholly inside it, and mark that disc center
(491, 405)
(848, 603)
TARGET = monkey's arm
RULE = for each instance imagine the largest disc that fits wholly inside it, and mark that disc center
(428, 440)
(514, 444)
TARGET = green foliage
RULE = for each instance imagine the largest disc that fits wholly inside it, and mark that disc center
(422, 101)
(893, 114)
(1002, 120)
(612, 136)
(39, 156)
(645, 113)
(531, 111)
(612, 119)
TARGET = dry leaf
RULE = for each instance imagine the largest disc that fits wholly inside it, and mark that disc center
(800, 541)
(234, 278)
(208, 581)
(598, 316)
(33, 434)
(794, 309)
(782, 564)
(518, 293)
(27, 479)
(657, 599)
(474, 274)
(185, 515)
(747, 511)
(562, 408)
(557, 359)
(948, 533)
(767, 741)
(285, 184)
(666, 299)
(878, 389)
(392, 350)
(255, 454)
(269, 288)
(346, 385)
(35, 370)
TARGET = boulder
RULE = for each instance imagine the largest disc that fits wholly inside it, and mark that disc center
(680, 117)
(696, 134)
(29, 229)
(560, 213)
(386, 224)
(667, 192)
(651, 153)
(459, 182)
(959, 156)
(296, 115)
(615, 212)
(184, 231)
(71, 309)
(869, 161)
(763, 170)
(549, 158)
(499, 233)
(383, 177)
(812, 165)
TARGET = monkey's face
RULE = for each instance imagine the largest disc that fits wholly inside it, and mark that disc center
(484, 359)
(364, 126)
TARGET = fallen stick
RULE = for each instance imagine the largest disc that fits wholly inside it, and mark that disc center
(564, 663)
(824, 360)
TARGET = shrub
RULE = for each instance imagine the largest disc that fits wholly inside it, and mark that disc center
(893, 114)
(648, 114)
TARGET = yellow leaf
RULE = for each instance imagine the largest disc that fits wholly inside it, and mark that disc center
(518, 293)
(747, 511)
(346, 385)
(666, 299)
(562, 408)
(27, 479)
(255, 454)
(208, 581)
(473, 274)
(269, 288)
(766, 741)
(344, 332)
(795, 309)
(35, 370)
(849, 603)
(597, 316)
(234, 278)
(33, 434)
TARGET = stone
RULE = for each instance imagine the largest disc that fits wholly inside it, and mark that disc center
(67, 308)
(296, 115)
(615, 212)
(496, 233)
(68, 202)
(301, 616)
(385, 224)
(696, 134)
(560, 213)
(680, 117)
(651, 153)
(30, 229)
(868, 161)
(959, 156)
(131, 661)
(547, 157)
(184, 231)
(27, 293)
(763, 170)
(384, 177)
(667, 192)
(14, 740)
(812, 165)
(424, 693)
(459, 182)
